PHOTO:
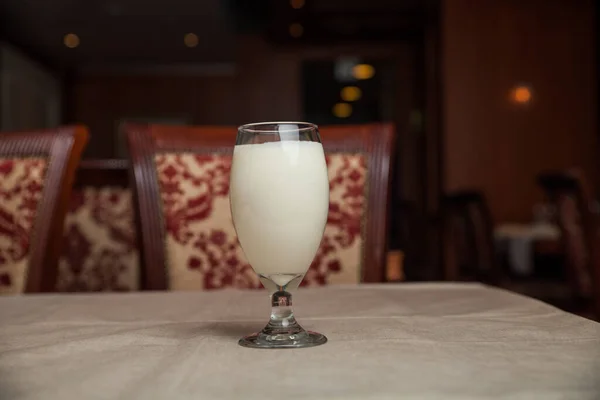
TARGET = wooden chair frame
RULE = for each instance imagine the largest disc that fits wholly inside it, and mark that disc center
(572, 183)
(62, 147)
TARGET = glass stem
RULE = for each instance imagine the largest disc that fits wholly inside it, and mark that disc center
(282, 315)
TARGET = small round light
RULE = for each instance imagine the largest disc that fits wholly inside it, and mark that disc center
(297, 4)
(342, 110)
(190, 40)
(521, 94)
(351, 93)
(71, 40)
(296, 30)
(363, 71)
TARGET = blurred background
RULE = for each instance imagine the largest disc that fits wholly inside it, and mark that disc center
(484, 94)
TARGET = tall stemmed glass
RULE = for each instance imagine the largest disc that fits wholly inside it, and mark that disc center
(279, 194)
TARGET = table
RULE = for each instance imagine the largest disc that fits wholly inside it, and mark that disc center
(518, 241)
(422, 341)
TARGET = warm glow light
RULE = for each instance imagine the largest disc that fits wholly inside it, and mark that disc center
(363, 71)
(71, 40)
(190, 39)
(296, 30)
(521, 94)
(351, 93)
(342, 110)
(297, 4)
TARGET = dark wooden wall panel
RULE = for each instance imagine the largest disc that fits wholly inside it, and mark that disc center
(488, 47)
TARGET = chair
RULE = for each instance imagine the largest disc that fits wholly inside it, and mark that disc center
(415, 234)
(181, 177)
(469, 251)
(99, 250)
(467, 231)
(36, 174)
(573, 199)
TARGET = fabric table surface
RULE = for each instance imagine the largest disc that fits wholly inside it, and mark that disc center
(422, 341)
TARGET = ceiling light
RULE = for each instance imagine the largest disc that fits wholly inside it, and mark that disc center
(363, 71)
(71, 40)
(297, 4)
(296, 30)
(351, 93)
(342, 110)
(521, 94)
(190, 39)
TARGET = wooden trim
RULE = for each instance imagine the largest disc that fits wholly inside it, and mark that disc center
(62, 148)
(434, 138)
(102, 173)
(146, 192)
(433, 106)
(185, 69)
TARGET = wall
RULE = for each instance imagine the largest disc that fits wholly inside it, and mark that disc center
(489, 143)
(262, 86)
(101, 101)
(30, 96)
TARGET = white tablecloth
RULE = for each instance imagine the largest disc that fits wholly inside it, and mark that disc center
(422, 341)
(518, 239)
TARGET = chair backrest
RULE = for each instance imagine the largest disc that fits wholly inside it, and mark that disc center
(413, 231)
(36, 175)
(100, 250)
(468, 237)
(573, 200)
(181, 177)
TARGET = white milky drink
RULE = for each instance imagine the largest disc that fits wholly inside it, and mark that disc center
(279, 195)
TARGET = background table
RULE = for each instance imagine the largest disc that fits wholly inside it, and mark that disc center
(420, 341)
(519, 241)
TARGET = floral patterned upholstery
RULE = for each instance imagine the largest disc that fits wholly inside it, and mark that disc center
(201, 245)
(21, 184)
(99, 251)
(338, 260)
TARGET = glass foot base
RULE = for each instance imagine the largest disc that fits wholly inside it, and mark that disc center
(282, 331)
(262, 340)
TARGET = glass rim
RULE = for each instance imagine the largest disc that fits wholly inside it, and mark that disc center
(254, 127)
